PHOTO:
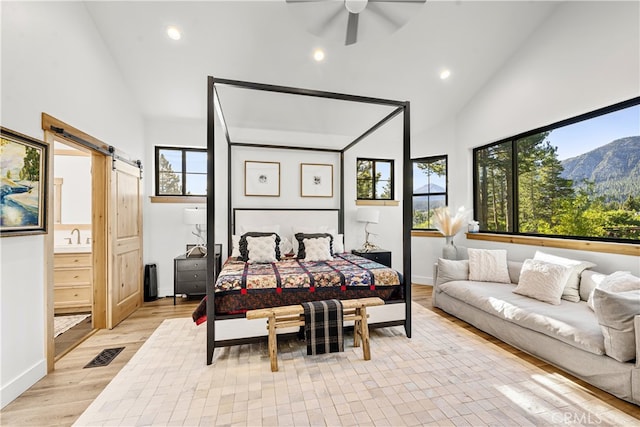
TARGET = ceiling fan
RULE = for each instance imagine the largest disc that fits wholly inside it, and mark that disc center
(354, 9)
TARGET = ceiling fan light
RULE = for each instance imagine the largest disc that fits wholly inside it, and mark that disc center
(318, 55)
(173, 33)
(355, 6)
(444, 74)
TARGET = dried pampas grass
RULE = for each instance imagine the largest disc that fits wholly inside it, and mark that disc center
(447, 224)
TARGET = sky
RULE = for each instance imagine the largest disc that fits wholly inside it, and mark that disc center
(582, 137)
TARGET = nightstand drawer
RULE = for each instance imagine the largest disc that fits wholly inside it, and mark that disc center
(193, 288)
(191, 276)
(192, 264)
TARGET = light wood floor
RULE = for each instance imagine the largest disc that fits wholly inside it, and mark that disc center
(60, 398)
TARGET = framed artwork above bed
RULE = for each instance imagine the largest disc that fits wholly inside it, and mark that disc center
(261, 179)
(316, 180)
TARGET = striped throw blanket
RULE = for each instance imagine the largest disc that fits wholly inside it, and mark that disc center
(323, 326)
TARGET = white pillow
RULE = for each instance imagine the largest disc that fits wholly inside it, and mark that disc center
(338, 243)
(488, 265)
(261, 249)
(306, 230)
(235, 245)
(615, 312)
(571, 290)
(543, 281)
(317, 249)
(450, 270)
(620, 281)
(285, 246)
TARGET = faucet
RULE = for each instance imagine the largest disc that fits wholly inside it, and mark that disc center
(72, 231)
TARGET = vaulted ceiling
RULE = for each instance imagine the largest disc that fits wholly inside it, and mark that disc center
(273, 42)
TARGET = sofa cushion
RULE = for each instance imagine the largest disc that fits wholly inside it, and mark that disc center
(615, 312)
(571, 289)
(488, 265)
(620, 281)
(514, 270)
(543, 281)
(588, 281)
(449, 270)
(572, 323)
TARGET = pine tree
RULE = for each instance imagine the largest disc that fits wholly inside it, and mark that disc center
(169, 181)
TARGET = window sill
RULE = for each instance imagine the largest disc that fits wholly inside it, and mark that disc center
(426, 233)
(377, 203)
(581, 245)
(178, 199)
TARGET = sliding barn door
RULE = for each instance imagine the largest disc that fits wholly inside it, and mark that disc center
(125, 284)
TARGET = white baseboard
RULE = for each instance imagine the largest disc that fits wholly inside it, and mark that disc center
(422, 280)
(9, 392)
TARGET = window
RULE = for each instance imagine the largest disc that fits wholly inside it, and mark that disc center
(181, 171)
(429, 189)
(375, 179)
(577, 178)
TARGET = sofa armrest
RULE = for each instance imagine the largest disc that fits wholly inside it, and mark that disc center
(636, 327)
(435, 275)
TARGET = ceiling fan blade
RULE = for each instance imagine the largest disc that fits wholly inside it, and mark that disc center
(352, 29)
(395, 24)
(322, 27)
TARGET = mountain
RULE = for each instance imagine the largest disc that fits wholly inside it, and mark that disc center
(614, 168)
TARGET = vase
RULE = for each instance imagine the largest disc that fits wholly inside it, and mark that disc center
(449, 250)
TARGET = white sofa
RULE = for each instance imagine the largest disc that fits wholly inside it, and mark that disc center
(566, 335)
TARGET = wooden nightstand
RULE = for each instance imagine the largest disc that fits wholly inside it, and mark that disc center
(190, 274)
(378, 255)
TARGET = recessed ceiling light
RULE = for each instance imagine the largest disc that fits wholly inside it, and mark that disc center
(318, 55)
(173, 33)
(444, 74)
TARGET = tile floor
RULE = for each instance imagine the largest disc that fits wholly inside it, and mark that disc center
(444, 375)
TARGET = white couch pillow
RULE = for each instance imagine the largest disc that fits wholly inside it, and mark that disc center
(487, 265)
(543, 281)
(615, 312)
(589, 280)
(571, 290)
(450, 270)
(620, 281)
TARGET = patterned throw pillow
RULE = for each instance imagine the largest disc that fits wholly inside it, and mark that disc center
(245, 250)
(317, 249)
(302, 237)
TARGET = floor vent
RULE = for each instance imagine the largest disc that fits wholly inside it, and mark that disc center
(104, 358)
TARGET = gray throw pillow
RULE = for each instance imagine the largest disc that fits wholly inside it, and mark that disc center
(450, 270)
(615, 312)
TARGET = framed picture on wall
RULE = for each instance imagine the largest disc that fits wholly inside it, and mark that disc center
(261, 178)
(23, 185)
(316, 180)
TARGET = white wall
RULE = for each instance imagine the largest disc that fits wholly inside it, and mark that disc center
(585, 56)
(53, 61)
(75, 172)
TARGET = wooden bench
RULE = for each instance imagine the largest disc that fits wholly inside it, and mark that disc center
(293, 315)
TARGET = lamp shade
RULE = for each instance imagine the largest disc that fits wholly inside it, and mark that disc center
(194, 216)
(368, 215)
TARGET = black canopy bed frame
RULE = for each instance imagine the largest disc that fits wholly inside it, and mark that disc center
(214, 107)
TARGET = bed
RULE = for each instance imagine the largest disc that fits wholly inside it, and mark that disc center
(288, 278)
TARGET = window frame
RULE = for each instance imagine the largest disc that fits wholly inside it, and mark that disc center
(432, 159)
(513, 198)
(391, 178)
(182, 174)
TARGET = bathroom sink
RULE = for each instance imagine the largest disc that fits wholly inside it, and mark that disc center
(66, 249)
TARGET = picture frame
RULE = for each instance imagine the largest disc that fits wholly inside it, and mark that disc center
(261, 178)
(316, 180)
(23, 184)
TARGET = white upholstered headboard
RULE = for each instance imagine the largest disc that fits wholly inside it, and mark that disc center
(286, 219)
